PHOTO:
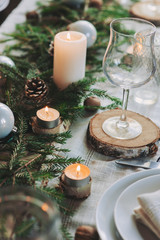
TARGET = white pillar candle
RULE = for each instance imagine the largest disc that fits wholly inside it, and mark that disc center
(69, 57)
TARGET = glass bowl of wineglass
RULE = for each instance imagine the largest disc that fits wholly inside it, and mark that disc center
(129, 62)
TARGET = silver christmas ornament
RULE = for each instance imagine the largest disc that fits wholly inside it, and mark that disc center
(6, 60)
(6, 120)
(86, 28)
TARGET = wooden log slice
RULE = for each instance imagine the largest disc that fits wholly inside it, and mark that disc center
(143, 145)
(147, 10)
(63, 126)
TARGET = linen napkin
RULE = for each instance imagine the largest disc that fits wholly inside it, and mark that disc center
(149, 211)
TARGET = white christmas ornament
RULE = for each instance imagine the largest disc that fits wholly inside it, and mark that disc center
(86, 28)
(6, 60)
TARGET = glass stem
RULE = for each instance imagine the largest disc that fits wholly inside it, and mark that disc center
(122, 123)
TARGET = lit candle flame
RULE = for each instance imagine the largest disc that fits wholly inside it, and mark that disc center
(138, 49)
(78, 169)
(44, 207)
(46, 110)
(68, 36)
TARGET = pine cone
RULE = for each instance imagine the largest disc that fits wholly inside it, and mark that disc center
(51, 48)
(96, 3)
(32, 16)
(36, 89)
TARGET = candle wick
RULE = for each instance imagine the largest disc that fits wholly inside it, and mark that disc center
(47, 114)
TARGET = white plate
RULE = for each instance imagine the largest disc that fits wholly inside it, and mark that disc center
(104, 212)
(127, 201)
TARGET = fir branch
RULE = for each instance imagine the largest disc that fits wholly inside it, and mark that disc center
(66, 234)
(19, 146)
(24, 228)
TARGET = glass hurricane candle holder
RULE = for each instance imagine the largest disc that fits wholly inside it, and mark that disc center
(26, 214)
(148, 94)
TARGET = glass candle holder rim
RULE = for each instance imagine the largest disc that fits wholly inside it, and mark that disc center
(29, 195)
(83, 36)
(157, 45)
(132, 19)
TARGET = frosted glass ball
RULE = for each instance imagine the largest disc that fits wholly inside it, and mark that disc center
(6, 120)
(86, 28)
(6, 60)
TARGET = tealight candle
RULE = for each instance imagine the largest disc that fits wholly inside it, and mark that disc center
(69, 57)
(76, 181)
(77, 175)
(47, 117)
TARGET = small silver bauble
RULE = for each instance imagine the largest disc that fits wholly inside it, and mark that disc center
(6, 120)
(86, 28)
(6, 60)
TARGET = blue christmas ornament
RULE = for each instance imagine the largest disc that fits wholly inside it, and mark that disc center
(86, 28)
(6, 120)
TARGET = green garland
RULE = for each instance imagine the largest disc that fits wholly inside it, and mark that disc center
(26, 152)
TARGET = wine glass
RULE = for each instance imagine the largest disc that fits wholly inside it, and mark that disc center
(128, 62)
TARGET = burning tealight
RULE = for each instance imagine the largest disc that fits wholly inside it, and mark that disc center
(77, 175)
(47, 117)
(76, 180)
